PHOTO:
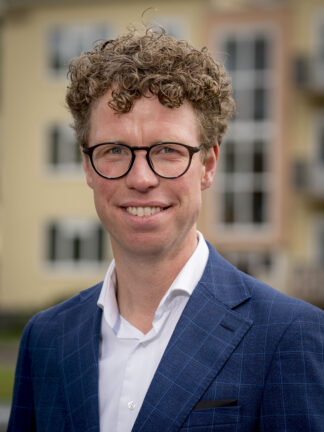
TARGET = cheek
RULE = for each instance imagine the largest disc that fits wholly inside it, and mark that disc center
(103, 187)
(102, 193)
(190, 192)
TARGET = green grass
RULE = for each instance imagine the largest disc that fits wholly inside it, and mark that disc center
(8, 346)
(8, 339)
(7, 374)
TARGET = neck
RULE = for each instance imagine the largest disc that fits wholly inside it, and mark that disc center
(143, 281)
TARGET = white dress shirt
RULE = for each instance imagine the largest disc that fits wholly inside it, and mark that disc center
(128, 358)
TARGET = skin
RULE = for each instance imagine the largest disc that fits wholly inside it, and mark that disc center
(149, 250)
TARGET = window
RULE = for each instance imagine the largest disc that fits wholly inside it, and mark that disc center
(316, 240)
(319, 48)
(245, 175)
(174, 26)
(63, 153)
(316, 173)
(320, 246)
(67, 41)
(244, 182)
(75, 243)
(319, 140)
(253, 263)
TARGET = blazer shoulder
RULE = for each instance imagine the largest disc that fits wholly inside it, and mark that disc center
(88, 294)
(47, 318)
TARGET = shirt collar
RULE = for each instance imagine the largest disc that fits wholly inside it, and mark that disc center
(189, 275)
(107, 300)
(184, 284)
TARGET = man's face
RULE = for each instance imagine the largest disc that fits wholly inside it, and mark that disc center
(171, 227)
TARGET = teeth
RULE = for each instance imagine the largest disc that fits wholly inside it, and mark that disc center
(143, 211)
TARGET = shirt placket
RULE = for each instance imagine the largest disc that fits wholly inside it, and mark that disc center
(131, 395)
(128, 409)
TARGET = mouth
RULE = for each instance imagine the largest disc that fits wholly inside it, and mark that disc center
(144, 211)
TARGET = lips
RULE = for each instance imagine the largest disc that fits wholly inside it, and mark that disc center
(143, 211)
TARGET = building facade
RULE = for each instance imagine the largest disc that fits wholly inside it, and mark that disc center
(265, 211)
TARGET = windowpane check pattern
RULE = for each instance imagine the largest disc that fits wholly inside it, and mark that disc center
(245, 173)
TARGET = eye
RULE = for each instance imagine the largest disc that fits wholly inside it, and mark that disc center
(111, 151)
(167, 149)
(115, 150)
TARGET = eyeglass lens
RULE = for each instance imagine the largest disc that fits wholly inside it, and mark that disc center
(167, 159)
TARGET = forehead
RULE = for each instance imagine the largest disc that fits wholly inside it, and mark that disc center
(148, 120)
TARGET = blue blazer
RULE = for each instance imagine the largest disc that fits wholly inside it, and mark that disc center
(243, 357)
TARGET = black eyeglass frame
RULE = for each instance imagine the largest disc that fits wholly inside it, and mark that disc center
(89, 152)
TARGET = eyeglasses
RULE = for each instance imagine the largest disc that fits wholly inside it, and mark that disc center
(168, 160)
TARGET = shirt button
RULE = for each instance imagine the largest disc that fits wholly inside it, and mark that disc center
(131, 405)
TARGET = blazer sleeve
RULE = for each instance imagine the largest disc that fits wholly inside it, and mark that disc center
(293, 398)
(22, 409)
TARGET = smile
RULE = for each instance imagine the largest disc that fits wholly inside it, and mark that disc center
(143, 211)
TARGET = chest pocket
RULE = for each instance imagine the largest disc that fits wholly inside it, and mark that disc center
(212, 419)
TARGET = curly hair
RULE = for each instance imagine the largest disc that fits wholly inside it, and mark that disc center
(134, 65)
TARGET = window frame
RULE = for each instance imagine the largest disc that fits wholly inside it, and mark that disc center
(87, 43)
(318, 44)
(172, 22)
(61, 169)
(74, 228)
(271, 233)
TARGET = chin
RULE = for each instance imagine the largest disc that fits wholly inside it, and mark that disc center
(139, 244)
(148, 247)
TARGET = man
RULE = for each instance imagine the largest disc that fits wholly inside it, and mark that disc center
(175, 338)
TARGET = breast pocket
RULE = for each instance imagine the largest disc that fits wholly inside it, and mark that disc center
(212, 419)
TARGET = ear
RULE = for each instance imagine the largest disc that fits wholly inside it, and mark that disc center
(209, 168)
(87, 168)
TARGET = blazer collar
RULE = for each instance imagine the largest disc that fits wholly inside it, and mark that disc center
(206, 335)
(224, 281)
(78, 357)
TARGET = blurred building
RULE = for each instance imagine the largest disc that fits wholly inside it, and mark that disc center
(265, 212)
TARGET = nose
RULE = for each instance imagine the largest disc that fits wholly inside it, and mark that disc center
(141, 176)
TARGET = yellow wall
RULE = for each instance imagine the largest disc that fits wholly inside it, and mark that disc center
(32, 99)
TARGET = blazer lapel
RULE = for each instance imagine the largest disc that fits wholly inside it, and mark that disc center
(78, 351)
(203, 340)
